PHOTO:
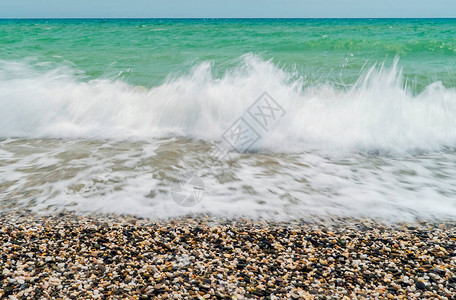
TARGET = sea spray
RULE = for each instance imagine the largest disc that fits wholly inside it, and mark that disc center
(379, 113)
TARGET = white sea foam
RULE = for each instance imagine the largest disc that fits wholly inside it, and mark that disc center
(376, 114)
(317, 160)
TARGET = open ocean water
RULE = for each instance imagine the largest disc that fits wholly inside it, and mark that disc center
(359, 118)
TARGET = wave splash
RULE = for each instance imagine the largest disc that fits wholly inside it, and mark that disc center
(379, 113)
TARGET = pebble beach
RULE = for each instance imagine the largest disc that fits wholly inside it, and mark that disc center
(112, 257)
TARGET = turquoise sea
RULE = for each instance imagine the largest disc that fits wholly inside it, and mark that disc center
(145, 52)
(104, 114)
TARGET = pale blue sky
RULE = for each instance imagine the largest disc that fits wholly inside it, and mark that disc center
(225, 8)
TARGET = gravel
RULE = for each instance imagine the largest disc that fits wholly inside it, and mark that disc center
(74, 257)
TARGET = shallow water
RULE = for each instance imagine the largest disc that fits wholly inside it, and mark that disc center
(135, 177)
(105, 115)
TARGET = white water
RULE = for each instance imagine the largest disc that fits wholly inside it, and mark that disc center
(377, 113)
(319, 160)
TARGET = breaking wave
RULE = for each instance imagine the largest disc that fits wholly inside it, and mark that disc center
(378, 113)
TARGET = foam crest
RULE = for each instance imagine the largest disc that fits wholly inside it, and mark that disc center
(379, 113)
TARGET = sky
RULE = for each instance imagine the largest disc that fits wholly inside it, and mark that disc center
(227, 8)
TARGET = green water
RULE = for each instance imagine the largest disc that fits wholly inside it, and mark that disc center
(146, 52)
(77, 132)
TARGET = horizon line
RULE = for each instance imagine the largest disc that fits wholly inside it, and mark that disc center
(219, 18)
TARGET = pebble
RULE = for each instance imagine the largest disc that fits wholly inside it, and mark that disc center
(420, 285)
(69, 256)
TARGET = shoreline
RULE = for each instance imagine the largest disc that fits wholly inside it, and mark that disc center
(106, 256)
